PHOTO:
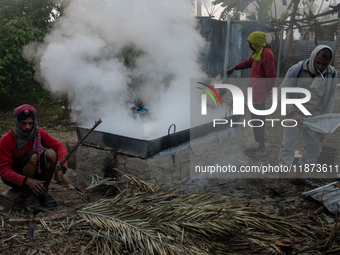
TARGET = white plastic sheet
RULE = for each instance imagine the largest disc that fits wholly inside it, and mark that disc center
(325, 123)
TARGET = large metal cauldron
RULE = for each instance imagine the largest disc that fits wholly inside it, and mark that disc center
(145, 148)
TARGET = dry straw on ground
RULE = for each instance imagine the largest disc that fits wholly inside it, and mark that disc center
(141, 218)
(146, 219)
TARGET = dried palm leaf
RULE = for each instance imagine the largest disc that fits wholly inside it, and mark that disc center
(134, 234)
(138, 184)
(100, 181)
(154, 220)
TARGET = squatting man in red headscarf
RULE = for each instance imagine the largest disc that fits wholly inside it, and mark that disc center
(23, 164)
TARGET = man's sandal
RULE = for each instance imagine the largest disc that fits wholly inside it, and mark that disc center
(278, 189)
(304, 182)
(250, 150)
(256, 154)
(48, 201)
(31, 203)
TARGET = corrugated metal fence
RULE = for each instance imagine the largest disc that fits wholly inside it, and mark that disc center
(302, 49)
(215, 32)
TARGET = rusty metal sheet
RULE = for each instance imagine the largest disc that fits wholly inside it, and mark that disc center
(328, 195)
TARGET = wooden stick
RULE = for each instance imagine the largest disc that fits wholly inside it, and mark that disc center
(46, 218)
(58, 167)
(79, 142)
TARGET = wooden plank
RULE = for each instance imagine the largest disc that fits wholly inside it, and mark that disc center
(10, 197)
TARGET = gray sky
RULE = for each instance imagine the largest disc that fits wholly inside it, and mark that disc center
(208, 7)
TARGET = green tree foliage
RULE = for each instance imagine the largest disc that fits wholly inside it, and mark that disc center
(234, 9)
(21, 22)
(40, 12)
(16, 72)
(263, 9)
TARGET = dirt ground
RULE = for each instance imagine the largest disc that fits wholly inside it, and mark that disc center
(59, 237)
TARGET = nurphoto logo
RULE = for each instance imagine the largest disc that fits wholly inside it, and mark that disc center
(238, 104)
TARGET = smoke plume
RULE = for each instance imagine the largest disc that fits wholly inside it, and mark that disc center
(108, 55)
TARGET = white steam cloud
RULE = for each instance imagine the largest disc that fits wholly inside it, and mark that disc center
(84, 54)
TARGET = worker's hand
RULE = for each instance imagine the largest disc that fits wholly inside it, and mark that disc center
(298, 117)
(316, 113)
(231, 70)
(36, 186)
(60, 176)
